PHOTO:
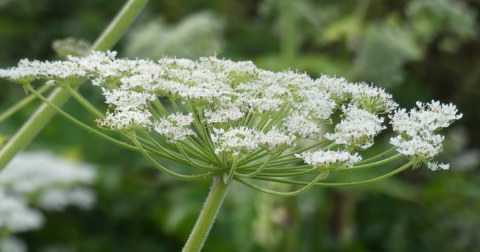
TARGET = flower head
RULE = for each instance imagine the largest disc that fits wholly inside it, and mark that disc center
(235, 119)
(417, 129)
(175, 127)
(357, 129)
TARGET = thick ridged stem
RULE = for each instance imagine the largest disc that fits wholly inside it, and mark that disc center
(207, 216)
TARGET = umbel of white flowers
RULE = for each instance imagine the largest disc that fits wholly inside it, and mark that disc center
(39, 180)
(233, 118)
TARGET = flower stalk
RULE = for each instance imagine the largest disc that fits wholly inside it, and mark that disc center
(207, 216)
(4, 115)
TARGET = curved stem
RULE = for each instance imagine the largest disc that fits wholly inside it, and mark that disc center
(287, 174)
(245, 159)
(84, 102)
(293, 182)
(227, 179)
(322, 175)
(254, 173)
(22, 103)
(172, 155)
(386, 160)
(31, 128)
(377, 156)
(303, 149)
(194, 163)
(59, 96)
(167, 171)
(69, 117)
(207, 216)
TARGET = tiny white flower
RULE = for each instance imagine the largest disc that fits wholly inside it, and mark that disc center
(276, 141)
(175, 128)
(302, 125)
(417, 129)
(434, 166)
(127, 119)
(224, 114)
(127, 99)
(235, 140)
(357, 129)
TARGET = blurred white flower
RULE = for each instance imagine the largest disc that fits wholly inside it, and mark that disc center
(197, 35)
(16, 216)
(58, 199)
(43, 180)
(12, 244)
(34, 172)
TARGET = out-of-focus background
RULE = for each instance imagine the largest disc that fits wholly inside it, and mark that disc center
(416, 49)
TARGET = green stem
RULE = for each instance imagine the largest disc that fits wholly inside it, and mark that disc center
(77, 122)
(386, 160)
(207, 216)
(84, 102)
(290, 153)
(31, 128)
(59, 96)
(255, 173)
(383, 154)
(22, 103)
(322, 175)
(163, 169)
(227, 179)
(119, 25)
(290, 35)
(325, 184)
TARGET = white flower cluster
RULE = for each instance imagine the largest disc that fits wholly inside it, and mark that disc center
(276, 141)
(125, 100)
(302, 125)
(175, 128)
(241, 139)
(43, 180)
(12, 244)
(16, 215)
(241, 108)
(329, 159)
(357, 129)
(224, 115)
(364, 96)
(52, 182)
(127, 119)
(417, 138)
(235, 140)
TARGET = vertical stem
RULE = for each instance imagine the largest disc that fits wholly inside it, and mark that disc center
(44, 113)
(207, 216)
(290, 37)
(119, 25)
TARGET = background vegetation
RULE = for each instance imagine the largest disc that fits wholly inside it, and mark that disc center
(417, 50)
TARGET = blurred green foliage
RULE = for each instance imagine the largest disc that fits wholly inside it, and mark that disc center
(417, 49)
